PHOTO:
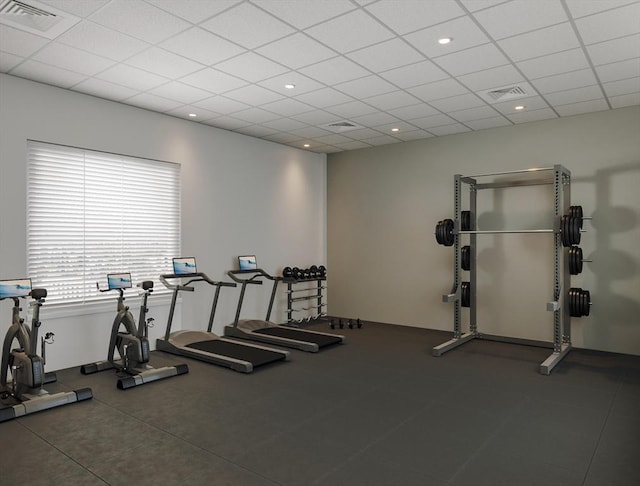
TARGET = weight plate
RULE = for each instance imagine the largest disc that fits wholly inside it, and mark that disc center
(587, 303)
(578, 258)
(465, 294)
(439, 233)
(466, 220)
(576, 212)
(575, 231)
(466, 257)
(449, 238)
(572, 302)
(564, 231)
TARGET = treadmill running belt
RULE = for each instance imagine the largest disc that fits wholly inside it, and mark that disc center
(321, 340)
(257, 357)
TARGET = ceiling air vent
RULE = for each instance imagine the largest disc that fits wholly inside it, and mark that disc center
(505, 94)
(341, 126)
(35, 17)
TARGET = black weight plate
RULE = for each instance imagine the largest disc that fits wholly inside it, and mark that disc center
(564, 231)
(578, 257)
(572, 302)
(570, 257)
(587, 300)
(449, 238)
(466, 257)
(575, 231)
(576, 212)
(439, 235)
(466, 294)
(466, 220)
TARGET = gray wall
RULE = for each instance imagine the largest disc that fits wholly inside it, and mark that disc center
(240, 195)
(383, 204)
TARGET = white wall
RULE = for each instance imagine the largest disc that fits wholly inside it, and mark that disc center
(384, 202)
(239, 195)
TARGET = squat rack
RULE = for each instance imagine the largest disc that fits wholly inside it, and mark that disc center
(559, 305)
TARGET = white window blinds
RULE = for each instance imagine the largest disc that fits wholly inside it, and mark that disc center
(93, 213)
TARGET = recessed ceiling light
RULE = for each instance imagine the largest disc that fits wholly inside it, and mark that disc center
(192, 115)
(395, 129)
(445, 40)
(289, 86)
(519, 107)
(306, 145)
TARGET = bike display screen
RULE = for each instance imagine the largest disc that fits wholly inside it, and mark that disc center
(184, 266)
(119, 281)
(247, 262)
(15, 288)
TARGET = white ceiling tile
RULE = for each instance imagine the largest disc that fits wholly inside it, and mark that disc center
(324, 97)
(541, 42)
(280, 137)
(227, 123)
(625, 100)
(317, 117)
(9, 61)
(353, 145)
(181, 92)
(400, 125)
(256, 115)
(256, 131)
(471, 114)
(623, 87)
(561, 62)
(582, 107)
(386, 55)
(389, 101)
(303, 84)
(491, 78)
(620, 49)
(72, 59)
(152, 102)
(413, 135)
(131, 77)
(382, 140)
(581, 8)
(365, 87)
(248, 26)
(496, 121)
(296, 51)
(374, 119)
(310, 132)
(409, 15)
(475, 59)
(532, 103)
(430, 121)
(285, 124)
(456, 103)
(202, 46)
(194, 11)
(253, 95)
(220, 104)
(334, 71)
(305, 13)
(576, 95)
(48, 74)
(288, 107)
(533, 115)
(609, 25)
(415, 74)
(419, 110)
(251, 67)
(213, 81)
(164, 63)
(619, 70)
(464, 32)
(449, 129)
(104, 89)
(81, 8)
(520, 16)
(125, 16)
(561, 82)
(18, 42)
(349, 32)
(363, 133)
(102, 41)
(440, 89)
(332, 138)
(185, 110)
(475, 5)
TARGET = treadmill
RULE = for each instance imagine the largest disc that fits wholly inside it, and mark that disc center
(206, 345)
(269, 332)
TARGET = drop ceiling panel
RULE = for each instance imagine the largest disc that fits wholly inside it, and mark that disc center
(334, 71)
(622, 87)
(620, 49)
(220, 104)
(296, 51)
(202, 46)
(533, 115)
(181, 92)
(404, 17)
(349, 32)
(285, 124)
(374, 119)
(47, 73)
(366, 87)
(472, 60)
(475, 5)
(449, 129)
(152, 102)
(583, 107)
(104, 89)
(464, 32)
(576, 95)
(184, 111)
(253, 94)
(164, 63)
(248, 26)
(471, 114)
(491, 78)
(251, 67)
(9, 61)
(610, 24)
(580, 8)
(287, 107)
(18, 42)
(227, 123)
(213, 80)
(541, 42)
(561, 82)
(561, 62)
(456, 103)
(194, 11)
(304, 13)
(103, 41)
(351, 109)
(389, 101)
(519, 16)
(619, 70)
(497, 121)
(429, 122)
(72, 59)
(124, 16)
(316, 118)
(324, 97)
(625, 100)
(413, 135)
(386, 55)
(81, 8)
(256, 115)
(416, 74)
(131, 77)
(439, 89)
(419, 110)
(302, 84)
(532, 103)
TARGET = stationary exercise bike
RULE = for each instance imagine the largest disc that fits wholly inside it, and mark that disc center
(25, 393)
(132, 342)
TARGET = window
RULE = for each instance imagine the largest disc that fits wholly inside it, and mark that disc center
(93, 213)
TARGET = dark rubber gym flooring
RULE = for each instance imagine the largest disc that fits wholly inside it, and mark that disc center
(378, 410)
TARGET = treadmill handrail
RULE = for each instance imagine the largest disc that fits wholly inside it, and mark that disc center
(200, 277)
(255, 274)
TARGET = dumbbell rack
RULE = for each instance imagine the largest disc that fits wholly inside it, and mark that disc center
(305, 295)
(561, 180)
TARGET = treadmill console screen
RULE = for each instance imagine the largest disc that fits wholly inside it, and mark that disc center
(119, 281)
(184, 266)
(247, 262)
(15, 288)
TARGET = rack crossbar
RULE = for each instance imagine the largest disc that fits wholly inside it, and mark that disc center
(523, 171)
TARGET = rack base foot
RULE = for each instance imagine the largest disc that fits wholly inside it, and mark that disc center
(554, 359)
(452, 343)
